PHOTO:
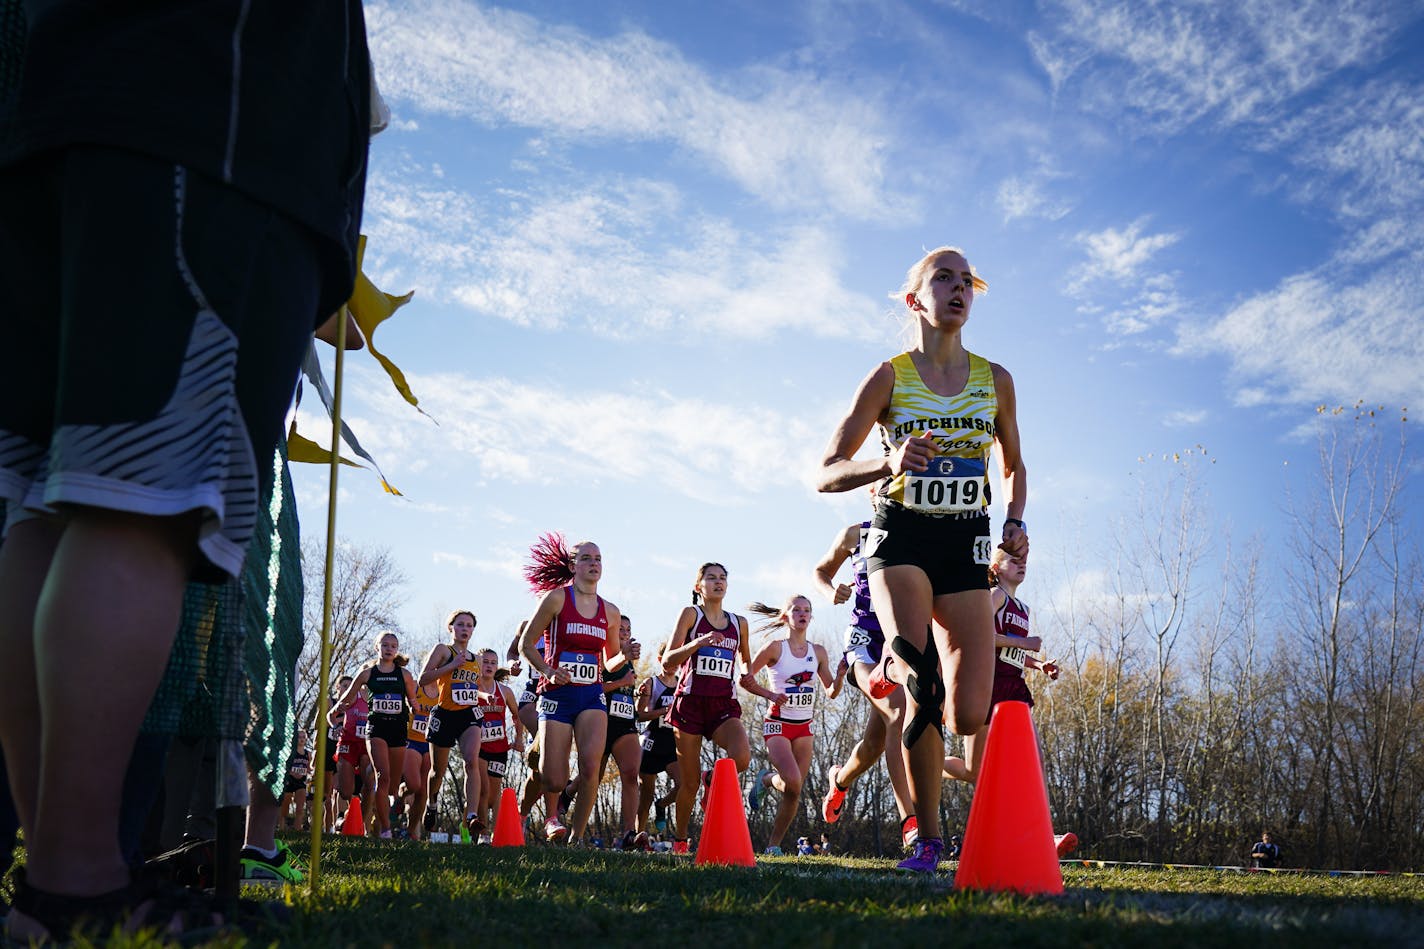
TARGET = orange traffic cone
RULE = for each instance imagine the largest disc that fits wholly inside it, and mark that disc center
(1008, 844)
(508, 829)
(353, 825)
(726, 839)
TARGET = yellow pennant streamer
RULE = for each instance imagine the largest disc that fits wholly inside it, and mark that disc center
(303, 449)
(371, 307)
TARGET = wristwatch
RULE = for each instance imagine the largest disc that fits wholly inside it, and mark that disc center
(1014, 520)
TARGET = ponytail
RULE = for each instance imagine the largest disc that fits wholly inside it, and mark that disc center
(761, 609)
(551, 563)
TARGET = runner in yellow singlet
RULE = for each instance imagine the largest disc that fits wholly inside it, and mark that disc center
(939, 409)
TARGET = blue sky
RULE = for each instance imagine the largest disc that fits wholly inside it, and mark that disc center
(652, 246)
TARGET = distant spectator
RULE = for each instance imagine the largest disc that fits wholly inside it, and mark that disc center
(952, 848)
(803, 847)
(1265, 854)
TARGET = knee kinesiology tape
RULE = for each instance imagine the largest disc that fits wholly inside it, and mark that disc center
(925, 685)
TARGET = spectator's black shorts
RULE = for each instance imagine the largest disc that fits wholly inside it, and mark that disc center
(154, 321)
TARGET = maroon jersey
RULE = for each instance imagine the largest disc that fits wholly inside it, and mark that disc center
(578, 644)
(1011, 619)
(710, 670)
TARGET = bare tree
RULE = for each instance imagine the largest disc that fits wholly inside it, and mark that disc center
(1334, 535)
(368, 589)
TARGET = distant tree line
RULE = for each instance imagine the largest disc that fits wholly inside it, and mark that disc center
(1200, 702)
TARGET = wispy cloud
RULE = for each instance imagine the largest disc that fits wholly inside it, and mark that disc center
(622, 257)
(793, 140)
(1317, 337)
(1185, 418)
(1116, 284)
(1027, 196)
(498, 429)
(1359, 154)
(1169, 64)
(1119, 255)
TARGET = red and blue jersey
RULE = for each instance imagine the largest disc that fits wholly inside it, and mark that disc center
(578, 644)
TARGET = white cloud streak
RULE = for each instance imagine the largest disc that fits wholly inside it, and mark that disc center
(1317, 338)
(620, 257)
(792, 140)
(506, 431)
(1169, 64)
(1117, 263)
(1026, 196)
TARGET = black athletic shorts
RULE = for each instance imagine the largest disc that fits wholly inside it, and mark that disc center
(447, 725)
(953, 552)
(392, 731)
(497, 762)
(618, 728)
(659, 751)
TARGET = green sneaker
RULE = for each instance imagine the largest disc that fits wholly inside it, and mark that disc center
(256, 867)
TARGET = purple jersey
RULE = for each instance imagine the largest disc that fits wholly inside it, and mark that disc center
(861, 612)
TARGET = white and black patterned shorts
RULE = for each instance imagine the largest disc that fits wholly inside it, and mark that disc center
(154, 324)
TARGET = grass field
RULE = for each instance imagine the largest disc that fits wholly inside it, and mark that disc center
(410, 895)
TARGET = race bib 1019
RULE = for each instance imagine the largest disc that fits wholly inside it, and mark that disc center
(949, 485)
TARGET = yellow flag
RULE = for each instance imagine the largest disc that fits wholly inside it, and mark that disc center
(371, 307)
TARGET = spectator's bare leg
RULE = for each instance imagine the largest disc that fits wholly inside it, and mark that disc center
(104, 626)
(24, 560)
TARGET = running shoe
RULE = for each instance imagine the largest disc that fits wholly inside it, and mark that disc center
(1066, 843)
(257, 867)
(706, 789)
(641, 841)
(475, 825)
(773, 851)
(879, 681)
(429, 823)
(909, 831)
(758, 791)
(834, 800)
(679, 846)
(629, 841)
(926, 857)
(554, 830)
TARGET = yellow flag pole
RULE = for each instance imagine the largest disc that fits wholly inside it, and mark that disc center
(323, 694)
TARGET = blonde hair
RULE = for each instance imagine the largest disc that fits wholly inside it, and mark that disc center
(999, 558)
(777, 617)
(915, 278)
